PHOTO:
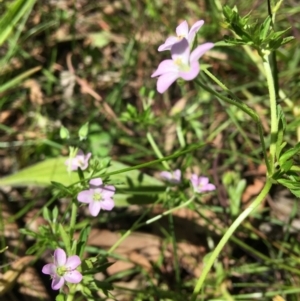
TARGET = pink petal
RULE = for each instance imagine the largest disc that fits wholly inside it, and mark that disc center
(166, 175)
(96, 182)
(210, 187)
(108, 191)
(182, 29)
(168, 44)
(73, 276)
(73, 262)
(60, 257)
(95, 208)
(199, 51)
(85, 196)
(165, 81)
(84, 161)
(192, 73)
(165, 66)
(49, 269)
(177, 174)
(194, 180)
(181, 50)
(107, 204)
(203, 181)
(194, 29)
(57, 282)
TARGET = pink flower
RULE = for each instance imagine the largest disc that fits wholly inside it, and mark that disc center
(182, 31)
(98, 197)
(183, 64)
(80, 160)
(201, 184)
(173, 177)
(63, 269)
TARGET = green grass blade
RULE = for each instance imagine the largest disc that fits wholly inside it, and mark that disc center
(11, 17)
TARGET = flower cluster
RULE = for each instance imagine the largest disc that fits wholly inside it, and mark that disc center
(80, 160)
(63, 269)
(199, 184)
(98, 196)
(173, 177)
(184, 62)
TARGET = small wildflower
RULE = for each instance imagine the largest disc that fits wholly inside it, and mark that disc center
(80, 160)
(182, 31)
(98, 197)
(174, 177)
(183, 64)
(63, 269)
(201, 184)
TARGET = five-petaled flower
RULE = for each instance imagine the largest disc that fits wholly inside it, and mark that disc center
(80, 160)
(63, 269)
(98, 197)
(182, 31)
(183, 64)
(174, 177)
(201, 184)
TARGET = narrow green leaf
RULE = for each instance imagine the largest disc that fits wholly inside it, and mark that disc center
(65, 238)
(13, 14)
(289, 154)
(264, 28)
(18, 79)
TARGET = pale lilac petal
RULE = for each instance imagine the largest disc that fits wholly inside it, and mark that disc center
(80, 160)
(107, 204)
(177, 175)
(192, 73)
(72, 163)
(57, 282)
(168, 43)
(96, 182)
(73, 262)
(182, 29)
(108, 191)
(203, 181)
(94, 208)
(194, 180)
(181, 51)
(165, 81)
(172, 177)
(84, 161)
(49, 269)
(194, 29)
(210, 187)
(60, 257)
(165, 66)
(85, 196)
(166, 175)
(73, 276)
(199, 51)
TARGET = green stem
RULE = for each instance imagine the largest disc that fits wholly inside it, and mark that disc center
(73, 219)
(157, 151)
(238, 103)
(71, 294)
(148, 222)
(273, 108)
(227, 236)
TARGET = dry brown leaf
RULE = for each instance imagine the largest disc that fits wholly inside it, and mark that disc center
(8, 279)
(35, 93)
(253, 190)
